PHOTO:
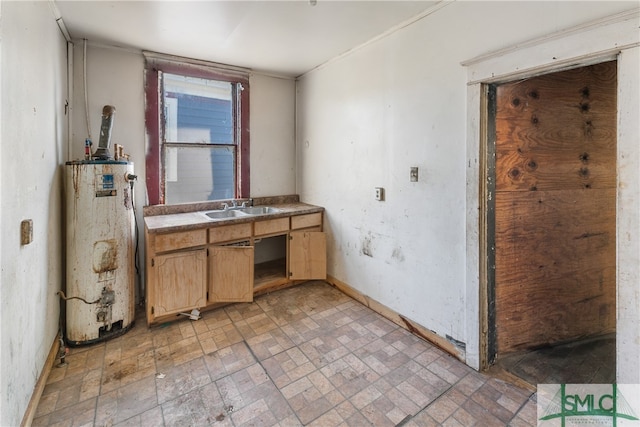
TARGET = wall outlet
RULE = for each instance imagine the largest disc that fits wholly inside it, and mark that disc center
(379, 193)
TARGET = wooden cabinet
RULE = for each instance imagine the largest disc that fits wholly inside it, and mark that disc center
(230, 263)
(179, 282)
(230, 274)
(176, 273)
(307, 255)
(313, 220)
(271, 226)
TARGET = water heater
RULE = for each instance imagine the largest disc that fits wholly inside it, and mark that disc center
(100, 285)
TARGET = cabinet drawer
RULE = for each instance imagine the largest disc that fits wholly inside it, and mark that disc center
(271, 226)
(229, 232)
(305, 221)
(181, 240)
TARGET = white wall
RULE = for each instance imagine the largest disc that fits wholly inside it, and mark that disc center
(272, 114)
(364, 119)
(33, 129)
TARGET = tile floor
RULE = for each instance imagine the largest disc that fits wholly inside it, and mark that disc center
(587, 361)
(307, 355)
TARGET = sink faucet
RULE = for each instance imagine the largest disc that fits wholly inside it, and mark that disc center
(226, 206)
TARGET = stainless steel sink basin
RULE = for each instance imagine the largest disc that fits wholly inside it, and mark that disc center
(222, 214)
(259, 210)
(240, 212)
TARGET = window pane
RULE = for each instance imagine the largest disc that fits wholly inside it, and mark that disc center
(197, 110)
(194, 174)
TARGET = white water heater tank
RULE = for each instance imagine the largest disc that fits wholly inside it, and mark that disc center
(100, 285)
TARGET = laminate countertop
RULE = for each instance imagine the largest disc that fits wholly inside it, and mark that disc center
(183, 221)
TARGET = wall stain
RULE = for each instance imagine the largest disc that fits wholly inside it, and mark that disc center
(397, 254)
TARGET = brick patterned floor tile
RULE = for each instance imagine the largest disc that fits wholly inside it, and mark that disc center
(284, 314)
(422, 420)
(488, 397)
(288, 366)
(185, 350)
(481, 414)
(463, 417)
(329, 419)
(151, 418)
(353, 336)
(213, 320)
(349, 375)
(450, 372)
(303, 330)
(252, 398)
(199, 407)
(377, 324)
(528, 413)
(307, 355)
(269, 344)
(256, 325)
(242, 311)
(125, 371)
(126, 402)
(311, 396)
(442, 408)
(452, 422)
(163, 335)
(378, 411)
(222, 337)
(181, 379)
(78, 414)
(323, 349)
(228, 360)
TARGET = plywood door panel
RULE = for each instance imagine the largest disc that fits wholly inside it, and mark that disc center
(555, 207)
(179, 282)
(557, 266)
(307, 255)
(231, 274)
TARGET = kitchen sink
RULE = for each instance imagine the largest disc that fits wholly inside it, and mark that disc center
(222, 214)
(240, 212)
(259, 210)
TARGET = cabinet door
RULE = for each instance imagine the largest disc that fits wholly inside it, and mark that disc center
(179, 280)
(230, 274)
(307, 255)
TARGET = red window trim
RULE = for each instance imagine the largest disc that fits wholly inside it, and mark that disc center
(153, 160)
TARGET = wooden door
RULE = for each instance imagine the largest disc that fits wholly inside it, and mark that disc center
(555, 208)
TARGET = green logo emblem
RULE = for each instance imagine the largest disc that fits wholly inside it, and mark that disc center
(585, 404)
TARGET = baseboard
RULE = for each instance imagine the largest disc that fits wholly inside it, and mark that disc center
(399, 319)
(29, 414)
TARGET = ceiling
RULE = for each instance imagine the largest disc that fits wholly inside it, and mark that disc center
(285, 38)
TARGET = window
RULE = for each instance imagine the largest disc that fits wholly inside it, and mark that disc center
(197, 119)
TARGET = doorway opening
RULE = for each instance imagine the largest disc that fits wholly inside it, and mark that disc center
(551, 225)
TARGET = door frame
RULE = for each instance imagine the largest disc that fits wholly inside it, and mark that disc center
(611, 38)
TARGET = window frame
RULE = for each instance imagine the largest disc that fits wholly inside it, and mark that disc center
(154, 162)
